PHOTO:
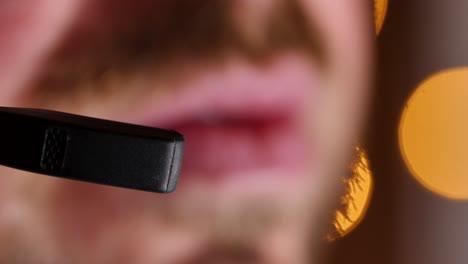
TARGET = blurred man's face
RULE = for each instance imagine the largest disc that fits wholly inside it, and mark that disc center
(270, 95)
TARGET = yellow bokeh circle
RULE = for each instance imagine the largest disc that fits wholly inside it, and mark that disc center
(380, 12)
(433, 133)
(357, 198)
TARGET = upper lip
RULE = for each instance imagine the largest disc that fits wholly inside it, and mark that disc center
(236, 92)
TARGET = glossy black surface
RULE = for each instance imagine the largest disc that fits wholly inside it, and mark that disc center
(89, 149)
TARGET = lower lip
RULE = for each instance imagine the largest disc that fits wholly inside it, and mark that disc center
(232, 149)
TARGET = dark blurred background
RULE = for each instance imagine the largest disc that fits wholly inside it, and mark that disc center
(406, 222)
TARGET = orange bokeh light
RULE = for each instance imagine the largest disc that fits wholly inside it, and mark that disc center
(380, 12)
(434, 133)
(357, 199)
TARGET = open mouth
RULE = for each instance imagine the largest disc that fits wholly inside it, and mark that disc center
(242, 119)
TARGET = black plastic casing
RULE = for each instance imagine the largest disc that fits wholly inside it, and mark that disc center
(89, 149)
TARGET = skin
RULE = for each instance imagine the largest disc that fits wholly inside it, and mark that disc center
(54, 55)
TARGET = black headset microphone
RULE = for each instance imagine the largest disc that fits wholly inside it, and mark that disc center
(90, 149)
